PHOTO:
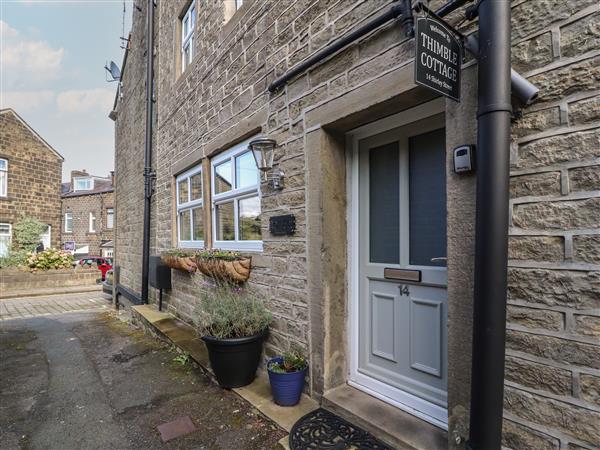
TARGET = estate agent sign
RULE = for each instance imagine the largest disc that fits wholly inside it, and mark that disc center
(438, 57)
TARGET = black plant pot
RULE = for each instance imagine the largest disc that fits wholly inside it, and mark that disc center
(234, 361)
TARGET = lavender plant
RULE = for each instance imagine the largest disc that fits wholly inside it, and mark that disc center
(229, 311)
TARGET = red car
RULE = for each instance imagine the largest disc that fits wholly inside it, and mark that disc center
(103, 264)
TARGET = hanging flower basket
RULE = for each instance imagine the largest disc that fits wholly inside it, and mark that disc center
(224, 266)
(179, 260)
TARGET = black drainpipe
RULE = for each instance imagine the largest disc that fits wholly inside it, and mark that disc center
(400, 8)
(148, 172)
(491, 254)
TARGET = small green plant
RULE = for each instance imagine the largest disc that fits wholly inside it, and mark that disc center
(50, 259)
(229, 311)
(183, 359)
(179, 252)
(16, 258)
(293, 361)
(216, 253)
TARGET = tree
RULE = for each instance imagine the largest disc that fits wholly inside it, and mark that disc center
(27, 233)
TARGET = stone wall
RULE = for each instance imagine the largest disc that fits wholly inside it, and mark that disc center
(81, 206)
(15, 280)
(34, 176)
(129, 157)
(552, 384)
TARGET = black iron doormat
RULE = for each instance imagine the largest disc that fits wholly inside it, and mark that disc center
(321, 429)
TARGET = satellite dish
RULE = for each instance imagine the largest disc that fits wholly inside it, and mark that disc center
(114, 71)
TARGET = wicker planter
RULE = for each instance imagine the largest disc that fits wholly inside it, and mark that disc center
(236, 271)
(184, 263)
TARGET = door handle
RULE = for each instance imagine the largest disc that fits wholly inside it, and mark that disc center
(439, 259)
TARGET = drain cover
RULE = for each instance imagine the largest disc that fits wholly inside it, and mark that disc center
(322, 429)
(176, 428)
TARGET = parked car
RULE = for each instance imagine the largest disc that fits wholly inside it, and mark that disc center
(103, 264)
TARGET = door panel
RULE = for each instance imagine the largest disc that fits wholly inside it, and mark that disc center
(402, 225)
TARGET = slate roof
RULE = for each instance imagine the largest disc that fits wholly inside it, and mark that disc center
(101, 186)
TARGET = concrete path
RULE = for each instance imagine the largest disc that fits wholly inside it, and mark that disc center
(86, 380)
(26, 307)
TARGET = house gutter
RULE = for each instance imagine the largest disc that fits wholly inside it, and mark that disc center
(149, 173)
(491, 226)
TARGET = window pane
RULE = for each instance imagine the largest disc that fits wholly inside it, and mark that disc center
(249, 219)
(3, 184)
(224, 222)
(2, 164)
(246, 173)
(4, 228)
(427, 165)
(196, 187)
(384, 206)
(182, 186)
(184, 226)
(185, 26)
(192, 18)
(110, 217)
(223, 178)
(197, 224)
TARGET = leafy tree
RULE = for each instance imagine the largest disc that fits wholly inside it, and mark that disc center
(27, 234)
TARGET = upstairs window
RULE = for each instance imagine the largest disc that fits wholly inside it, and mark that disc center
(190, 209)
(92, 222)
(68, 222)
(3, 177)
(83, 184)
(188, 24)
(110, 218)
(236, 200)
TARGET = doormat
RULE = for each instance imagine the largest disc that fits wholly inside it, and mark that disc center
(321, 429)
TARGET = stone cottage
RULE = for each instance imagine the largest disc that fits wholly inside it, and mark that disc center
(30, 175)
(376, 282)
(88, 212)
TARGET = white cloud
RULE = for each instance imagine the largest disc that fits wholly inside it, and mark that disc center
(85, 100)
(27, 101)
(27, 62)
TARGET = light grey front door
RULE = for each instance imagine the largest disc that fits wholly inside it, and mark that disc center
(402, 304)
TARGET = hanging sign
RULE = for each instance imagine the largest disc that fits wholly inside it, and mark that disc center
(438, 57)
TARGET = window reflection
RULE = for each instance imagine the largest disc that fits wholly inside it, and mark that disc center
(224, 221)
(196, 186)
(246, 173)
(183, 191)
(249, 219)
(198, 224)
(223, 177)
(184, 225)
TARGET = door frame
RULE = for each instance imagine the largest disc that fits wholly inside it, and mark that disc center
(405, 401)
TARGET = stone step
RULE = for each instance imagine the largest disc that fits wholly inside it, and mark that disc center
(395, 427)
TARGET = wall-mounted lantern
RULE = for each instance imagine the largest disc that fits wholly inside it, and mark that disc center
(263, 150)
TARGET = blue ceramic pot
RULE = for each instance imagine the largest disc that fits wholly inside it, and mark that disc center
(286, 387)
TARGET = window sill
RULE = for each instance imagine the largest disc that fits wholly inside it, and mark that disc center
(191, 245)
(239, 246)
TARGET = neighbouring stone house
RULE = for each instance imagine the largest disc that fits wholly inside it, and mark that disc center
(30, 175)
(349, 131)
(88, 211)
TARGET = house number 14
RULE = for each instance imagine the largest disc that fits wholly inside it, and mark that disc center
(404, 290)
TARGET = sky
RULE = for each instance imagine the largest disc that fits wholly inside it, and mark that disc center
(52, 57)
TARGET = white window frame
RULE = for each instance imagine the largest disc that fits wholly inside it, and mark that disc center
(92, 228)
(9, 234)
(187, 39)
(68, 229)
(190, 205)
(110, 213)
(4, 180)
(238, 4)
(81, 179)
(234, 194)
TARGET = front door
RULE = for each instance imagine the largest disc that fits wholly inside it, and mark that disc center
(402, 298)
